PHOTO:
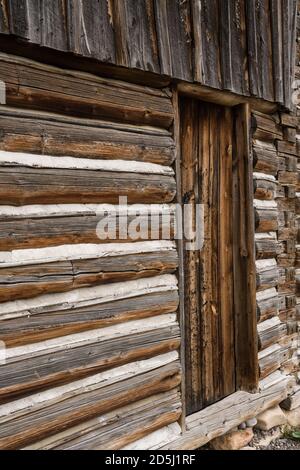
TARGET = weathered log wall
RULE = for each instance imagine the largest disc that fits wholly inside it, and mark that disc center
(245, 46)
(90, 324)
(275, 165)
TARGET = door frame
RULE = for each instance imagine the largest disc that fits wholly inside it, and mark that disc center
(246, 337)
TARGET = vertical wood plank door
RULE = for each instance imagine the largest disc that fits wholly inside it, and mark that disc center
(208, 160)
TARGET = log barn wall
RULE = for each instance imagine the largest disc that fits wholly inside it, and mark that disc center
(244, 46)
(91, 326)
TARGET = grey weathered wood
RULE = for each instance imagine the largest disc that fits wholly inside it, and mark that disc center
(135, 34)
(244, 254)
(71, 186)
(56, 322)
(53, 17)
(233, 46)
(4, 18)
(108, 430)
(278, 47)
(265, 160)
(42, 87)
(270, 331)
(29, 281)
(90, 29)
(271, 359)
(45, 133)
(70, 364)
(139, 421)
(223, 416)
(173, 28)
(264, 48)
(266, 220)
(43, 231)
(252, 48)
(206, 30)
(49, 421)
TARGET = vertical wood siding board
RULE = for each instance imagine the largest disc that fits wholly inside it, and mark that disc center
(286, 24)
(174, 43)
(163, 39)
(227, 357)
(276, 28)
(54, 24)
(210, 41)
(73, 23)
(244, 256)
(239, 47)
(18, 18)
(197, 40)
(120, 20)
(4, 17)
(225, 45)
(265, 49)
(206, 165)
(215, 228)
(252, 48)
(142, 32)
(189, 113)
(180, 251)
(90, 30)
(293, 32)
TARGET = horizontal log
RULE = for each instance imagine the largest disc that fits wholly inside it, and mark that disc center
(26, 406)
(265, 220)
(81, 251)
(265, 161)
(27, 160)
(53, 134)
(28, 281)
(56, 323)
(288, 177)
(270, 331)
(266, 123)
(20, 185)
(156, 440)
(266, 245)
(30, 429)
(73, 341)
(226, 414)
(289, 134)
(266, 136)
(39, 86)
(267, 274)
(267, 304)
(52, 228)
(264, 186)
(287, 147)
(289, 120)
(270, 359)
(87, 296)
(266, 215)
(54, 368)
(137, 421)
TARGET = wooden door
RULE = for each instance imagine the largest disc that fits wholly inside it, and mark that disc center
(209, 178)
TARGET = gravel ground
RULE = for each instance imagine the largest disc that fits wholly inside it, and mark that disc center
(269, 440)
(273, 440)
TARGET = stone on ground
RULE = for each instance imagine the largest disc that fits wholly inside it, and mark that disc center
(234, 440)
(293, 417)
(250, 423)
(270, 418)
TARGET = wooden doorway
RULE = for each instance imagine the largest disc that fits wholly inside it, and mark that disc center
(219, 279)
